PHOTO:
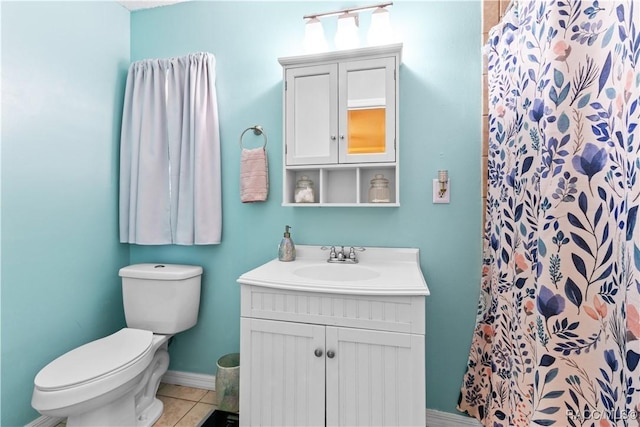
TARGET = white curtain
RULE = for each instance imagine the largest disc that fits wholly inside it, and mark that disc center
(170, 189)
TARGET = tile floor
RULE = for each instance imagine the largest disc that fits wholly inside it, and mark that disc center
(183, 406)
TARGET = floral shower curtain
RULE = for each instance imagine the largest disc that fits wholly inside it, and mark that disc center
(557, 339)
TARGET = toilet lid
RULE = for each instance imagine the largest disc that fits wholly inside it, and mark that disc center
(95, 359)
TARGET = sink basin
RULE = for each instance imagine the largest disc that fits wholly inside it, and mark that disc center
(336, 272)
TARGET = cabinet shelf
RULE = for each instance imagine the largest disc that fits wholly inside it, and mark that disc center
(342, 166)
(340, 185)
(343, 205)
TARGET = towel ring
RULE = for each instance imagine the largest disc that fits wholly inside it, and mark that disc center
(257, 130)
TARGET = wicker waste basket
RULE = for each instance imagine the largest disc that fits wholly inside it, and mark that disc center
(228, 382)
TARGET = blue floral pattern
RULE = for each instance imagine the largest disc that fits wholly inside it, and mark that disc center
(557, 337)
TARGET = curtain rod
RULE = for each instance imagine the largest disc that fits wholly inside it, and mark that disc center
(351, 9)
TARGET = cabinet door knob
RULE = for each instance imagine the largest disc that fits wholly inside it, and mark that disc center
(318, 352)
(341, 136)
(330, 354)
(333, 137)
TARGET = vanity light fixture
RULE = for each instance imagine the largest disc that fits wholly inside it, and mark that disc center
(347, 36)
(314, 41)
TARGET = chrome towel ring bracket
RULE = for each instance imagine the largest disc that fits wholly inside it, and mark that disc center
(257, 130)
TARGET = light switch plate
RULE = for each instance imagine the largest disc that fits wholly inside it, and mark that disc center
(436, 192)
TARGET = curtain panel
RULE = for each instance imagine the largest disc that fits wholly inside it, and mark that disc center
(170, 177)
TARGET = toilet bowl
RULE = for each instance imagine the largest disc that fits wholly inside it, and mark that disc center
(112, 381)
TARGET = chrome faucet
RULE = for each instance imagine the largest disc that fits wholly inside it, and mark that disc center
(340, 256)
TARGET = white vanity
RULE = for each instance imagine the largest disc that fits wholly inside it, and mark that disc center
(331, 344)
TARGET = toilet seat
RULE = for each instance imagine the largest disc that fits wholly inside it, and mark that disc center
(95, 360)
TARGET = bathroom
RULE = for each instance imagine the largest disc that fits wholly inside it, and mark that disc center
(64, 67)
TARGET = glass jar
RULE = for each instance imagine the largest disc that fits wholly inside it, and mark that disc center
(379, 190)
(304, 190)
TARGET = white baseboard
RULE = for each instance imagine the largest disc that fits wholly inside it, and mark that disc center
(446, 419)
(45, 421)
(204, 381)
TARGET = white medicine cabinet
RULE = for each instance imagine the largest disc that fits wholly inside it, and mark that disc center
(340, 125)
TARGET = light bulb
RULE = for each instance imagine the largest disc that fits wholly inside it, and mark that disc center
(347, 33)
(380, 30)
(314, 40)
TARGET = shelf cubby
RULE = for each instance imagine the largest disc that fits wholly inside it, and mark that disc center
(341, 185)
(366, 174)
(292, 176)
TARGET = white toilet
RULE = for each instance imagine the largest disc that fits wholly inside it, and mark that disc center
(113, 381)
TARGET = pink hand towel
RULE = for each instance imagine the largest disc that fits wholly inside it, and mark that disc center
(254, 175)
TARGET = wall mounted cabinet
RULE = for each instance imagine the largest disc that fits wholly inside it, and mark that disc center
(340, 124)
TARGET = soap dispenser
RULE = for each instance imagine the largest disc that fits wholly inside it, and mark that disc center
(286, 250)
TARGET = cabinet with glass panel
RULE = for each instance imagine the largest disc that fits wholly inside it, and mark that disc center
(341, 134)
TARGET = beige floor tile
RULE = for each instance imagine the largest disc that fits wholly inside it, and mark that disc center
(195, 415)
(210, 398)
(174, 410)
(181, 392)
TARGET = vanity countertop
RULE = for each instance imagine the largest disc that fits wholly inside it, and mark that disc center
(380, 271)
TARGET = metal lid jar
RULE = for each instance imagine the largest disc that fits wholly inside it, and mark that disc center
(304, 192)
(379, 190)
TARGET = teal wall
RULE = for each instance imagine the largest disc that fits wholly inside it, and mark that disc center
(440, 107)
(63, 71)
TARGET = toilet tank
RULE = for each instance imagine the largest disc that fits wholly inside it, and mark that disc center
(162, 298)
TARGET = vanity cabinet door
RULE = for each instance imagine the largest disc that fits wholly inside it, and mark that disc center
(311, 115)
(374, 378)
(282, 380)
